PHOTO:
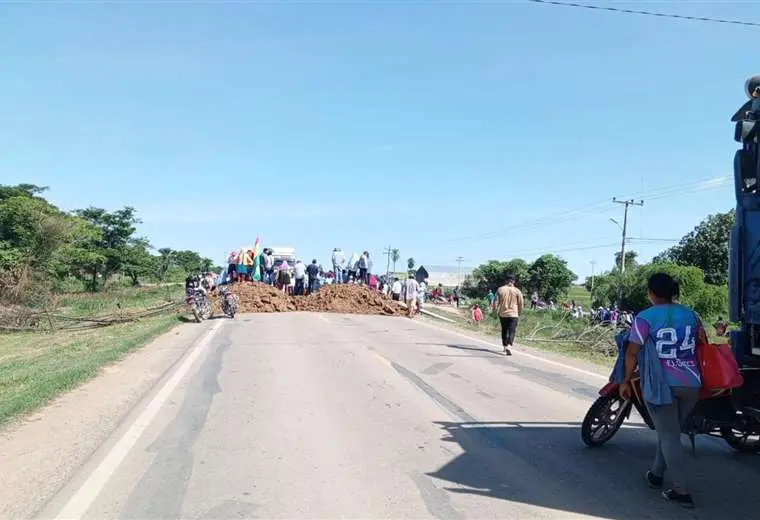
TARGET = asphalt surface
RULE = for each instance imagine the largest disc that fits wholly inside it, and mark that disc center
(330, 416)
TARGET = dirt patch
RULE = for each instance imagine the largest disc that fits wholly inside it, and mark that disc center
(344, 298)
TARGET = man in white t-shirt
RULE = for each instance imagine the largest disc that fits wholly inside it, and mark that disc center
(300, 278)
(412, 289)
(396, 289)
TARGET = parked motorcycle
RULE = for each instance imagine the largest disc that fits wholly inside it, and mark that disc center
(199, 304)
(730, 414)
(229, 302)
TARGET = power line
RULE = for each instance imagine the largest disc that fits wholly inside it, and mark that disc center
(600, 206)
(560, 249)
(642, 12)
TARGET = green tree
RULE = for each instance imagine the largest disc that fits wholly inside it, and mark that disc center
(410, 263)
(117, 231)
(630, 259)
(164, 262)
(38, 241)
(136, 261)
(706, 299)
(550, 277)
(493, 274)
(189, 262)
(22, 190)
(395, 257)
(705, 247)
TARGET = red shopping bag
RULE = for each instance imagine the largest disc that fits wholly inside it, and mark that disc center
(719, 368)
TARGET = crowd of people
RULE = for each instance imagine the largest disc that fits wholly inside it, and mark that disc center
(298, 278)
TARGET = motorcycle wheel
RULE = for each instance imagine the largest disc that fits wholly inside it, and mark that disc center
(604, 419)
(740, 441)
(196, 314)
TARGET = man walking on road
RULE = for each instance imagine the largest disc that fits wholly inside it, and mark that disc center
(509, 306)
(412, 289)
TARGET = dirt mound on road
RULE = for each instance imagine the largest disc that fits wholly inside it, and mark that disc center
(348, 299)
(258, 297)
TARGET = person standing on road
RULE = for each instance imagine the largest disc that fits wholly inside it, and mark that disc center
(396, 290)
(338, 261)
(491, 298)
(313, 272)
(267, 266)
(411, 291)
(364, 268)
(509, 306)
(663, 344)
(283, 277)
(300, 275)
(421, 296)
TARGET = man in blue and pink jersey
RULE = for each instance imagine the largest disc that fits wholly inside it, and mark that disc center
(663, 343)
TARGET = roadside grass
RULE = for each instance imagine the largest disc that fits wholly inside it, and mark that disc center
(549, 330)
(580, 295)
(111, 301)
(35, 367)
(536, 328)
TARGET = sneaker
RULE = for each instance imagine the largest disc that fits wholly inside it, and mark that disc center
(654, 481)
(682, 499)
(507, 352)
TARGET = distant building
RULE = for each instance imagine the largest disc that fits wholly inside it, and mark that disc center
(448, 276)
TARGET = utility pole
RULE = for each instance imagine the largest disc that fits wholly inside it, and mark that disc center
(387, 253)
(627, 203)
(459, 270)
(593, 264)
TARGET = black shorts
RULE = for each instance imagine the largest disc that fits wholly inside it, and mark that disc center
(395, 297)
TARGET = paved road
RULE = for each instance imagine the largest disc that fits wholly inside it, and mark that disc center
(332, 416)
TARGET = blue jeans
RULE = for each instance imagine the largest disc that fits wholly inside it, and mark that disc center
(338, 273)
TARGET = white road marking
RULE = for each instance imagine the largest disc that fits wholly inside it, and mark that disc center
(517, 353)
(81, 501)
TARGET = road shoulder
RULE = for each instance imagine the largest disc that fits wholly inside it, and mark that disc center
(43, 450)
(492, 342)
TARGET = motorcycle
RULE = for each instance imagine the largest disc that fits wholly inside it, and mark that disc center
(728, 414)
(199, 304)
(229, 302)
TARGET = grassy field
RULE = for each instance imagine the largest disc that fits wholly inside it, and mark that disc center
(580, 295)
(35, 367)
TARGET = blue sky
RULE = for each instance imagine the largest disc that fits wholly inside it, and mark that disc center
(443, 129)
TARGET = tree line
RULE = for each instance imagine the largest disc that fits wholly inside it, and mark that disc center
(699, 262)
(548, 276)
(44, 249)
